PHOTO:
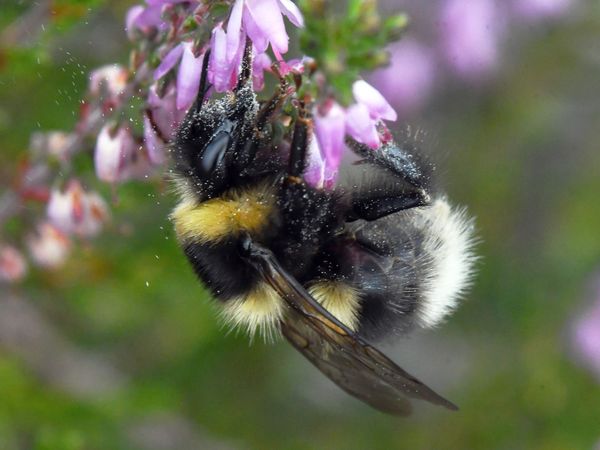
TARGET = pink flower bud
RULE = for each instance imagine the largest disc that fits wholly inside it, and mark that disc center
(76, 211)
(54, 143)
(533, 10)
(188, 77)
(470, 34)
(330, 128)
(118, 157)
(361, 126)
(13, 267)
(408, 81)
(163, 110)
(372, 99)
(48, 246)
(110, 79)
(314, 174)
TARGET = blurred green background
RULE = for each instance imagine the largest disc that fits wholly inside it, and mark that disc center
(122, 349)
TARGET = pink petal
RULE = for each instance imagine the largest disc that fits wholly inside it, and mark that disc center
(409, 79)
(264, 22)
(470, 36)
(330, 131)
(292, 12)
(188, 77)
(370, 97)
(113, 153)
(12, 264)
(256, 35)
(361, 126)
(154, 144)
(48, 247)
(165, 114)
(314, 174)
(234, 30)
(130, 19)
(169, 61)
(260, 63)
(219, 68)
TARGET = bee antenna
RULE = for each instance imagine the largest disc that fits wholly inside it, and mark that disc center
(203, 82)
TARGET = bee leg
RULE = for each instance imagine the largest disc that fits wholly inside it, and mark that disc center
(369, 208)
(299, 147)
(403, 165)
(399, 161)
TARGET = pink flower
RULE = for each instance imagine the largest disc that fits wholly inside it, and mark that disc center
(149, 17)
(224, 61)
(224, 67)
(76, 211)
(260, 63)
(363, 117)
(110, 80)
(408, 81)
(53, 143)
(470, 35)
(262, 21)
(165, 114)
(188, 75)
(585, 334)
(118, 157)
(49, 247)
(330, 128)
(314, 174)
(13, 267)
(532, 10)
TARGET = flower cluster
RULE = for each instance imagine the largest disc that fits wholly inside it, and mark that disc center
(458, 38)
(585, 334)
(360, 120)
(172, 40)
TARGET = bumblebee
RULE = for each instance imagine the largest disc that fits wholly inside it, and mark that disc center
(330, 269)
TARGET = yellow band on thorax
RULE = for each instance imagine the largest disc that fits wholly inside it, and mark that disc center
(234, 212)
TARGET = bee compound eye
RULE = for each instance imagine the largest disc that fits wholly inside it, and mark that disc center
(214, 153)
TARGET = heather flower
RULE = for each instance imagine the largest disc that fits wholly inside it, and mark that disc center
(110, 79)
(165, 115)
(586, 337)
(223, 66)
(53, 143)
(314, 174)
(262, 21)
(408, 81)
(161, 121)
(118, 157)
(48, 246)
(169, 61)
(260, 63)
(330, 129)
(76, 211)
(148, 17)
(363, 117)
(188, 77)
(12, 264)
(532, 10)
(470, 34)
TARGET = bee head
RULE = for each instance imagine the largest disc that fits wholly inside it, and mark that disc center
(216, 136)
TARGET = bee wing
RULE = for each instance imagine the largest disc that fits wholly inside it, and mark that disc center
(343, 356)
